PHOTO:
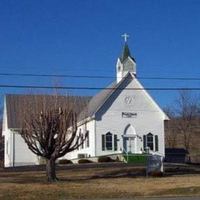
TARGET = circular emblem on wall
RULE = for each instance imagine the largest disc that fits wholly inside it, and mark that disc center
(129, 100)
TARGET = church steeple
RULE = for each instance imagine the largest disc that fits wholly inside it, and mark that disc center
(126, 53)
(125, 63)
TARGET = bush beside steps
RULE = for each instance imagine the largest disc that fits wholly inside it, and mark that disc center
(83, 161)
(105, 159)
(65, 162)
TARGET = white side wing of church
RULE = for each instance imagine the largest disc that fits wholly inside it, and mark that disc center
(122, 118)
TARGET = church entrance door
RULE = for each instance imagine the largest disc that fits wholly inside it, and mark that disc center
(129, 140)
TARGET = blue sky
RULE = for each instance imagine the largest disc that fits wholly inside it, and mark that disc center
(83, 37)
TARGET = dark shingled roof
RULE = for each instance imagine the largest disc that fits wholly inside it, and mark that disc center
(19, 105)
(96, 101)
(100, 98)
(126, 53)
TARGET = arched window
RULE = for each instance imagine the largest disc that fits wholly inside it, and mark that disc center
(150, 141)
(109, 141)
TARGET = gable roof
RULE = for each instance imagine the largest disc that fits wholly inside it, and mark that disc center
(86, 107)
(17, 105)
(100, 99)
(153, 101)
(97, 101)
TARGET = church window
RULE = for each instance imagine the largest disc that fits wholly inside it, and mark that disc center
(150, 141)
(107, 142)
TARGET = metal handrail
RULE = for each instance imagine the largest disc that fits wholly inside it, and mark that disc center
(126, 154)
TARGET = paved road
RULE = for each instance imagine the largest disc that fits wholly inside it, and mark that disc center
(159, 198)
(169, 198)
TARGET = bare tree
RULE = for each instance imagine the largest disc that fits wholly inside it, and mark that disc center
(50, 130)
(187, 111)
(171, 133)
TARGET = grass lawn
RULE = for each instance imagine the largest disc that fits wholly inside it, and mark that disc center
(94, 183)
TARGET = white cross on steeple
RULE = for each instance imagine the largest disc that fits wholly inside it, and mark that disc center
(125, 36)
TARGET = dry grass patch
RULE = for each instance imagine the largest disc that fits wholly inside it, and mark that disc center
(92, 183)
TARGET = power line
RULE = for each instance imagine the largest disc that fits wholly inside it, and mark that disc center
(171, 78)
(94, 88)
(96, 77)
(54, 75)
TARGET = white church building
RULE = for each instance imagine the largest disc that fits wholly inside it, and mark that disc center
(122, 118)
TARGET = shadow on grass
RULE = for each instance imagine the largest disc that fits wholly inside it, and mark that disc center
(29, 178)
(113, 174)
(82, 175)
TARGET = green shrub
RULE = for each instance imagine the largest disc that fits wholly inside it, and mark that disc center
(83, 161)
(65, 162)
(105, 159)
(136, 158)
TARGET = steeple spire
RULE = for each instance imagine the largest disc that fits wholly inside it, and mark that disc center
(126, 52)
(126, 63)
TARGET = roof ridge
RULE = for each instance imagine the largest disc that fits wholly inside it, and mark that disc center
(101, 97)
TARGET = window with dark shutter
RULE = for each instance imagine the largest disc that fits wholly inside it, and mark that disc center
(115, 143)
(150, 141)
(156, 143)
(109, 141)
(144, 142)
(103, 142)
